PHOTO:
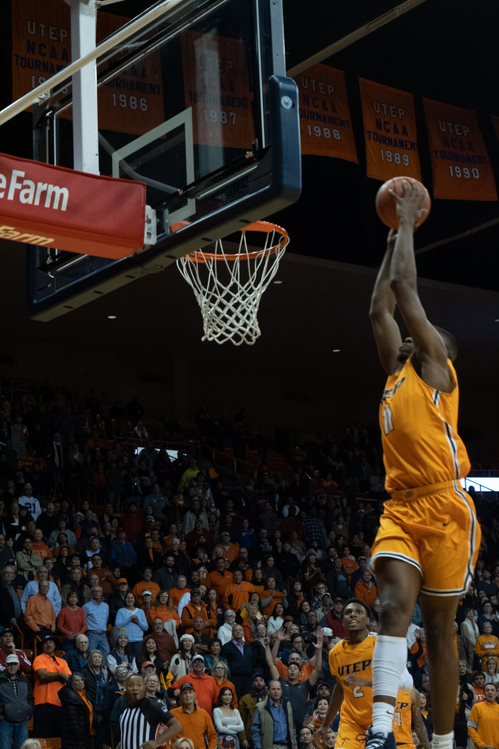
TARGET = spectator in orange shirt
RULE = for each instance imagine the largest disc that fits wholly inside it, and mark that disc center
(238, 593)
(205, 686)
(39, 546)
(348, 562)
(146, 584)
(197, 608)
(366, 589)
(487, 643)
(196, 723)
(51, 674)
(40, 612)
(177, 593)
(271, 596)
(229, 548)
(220, 577)
(163, 610)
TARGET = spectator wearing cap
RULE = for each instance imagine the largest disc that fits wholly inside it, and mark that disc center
(8, 647)
(16, 704)
(97, 611)
(116, 600)
(205, 686)
(362, 562)
(366, 589)
(196, 723)
(248, 703)
(40, 613)
(146, 584)
(334, 619)
(51, 673)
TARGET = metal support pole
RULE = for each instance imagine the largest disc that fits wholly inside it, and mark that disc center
(85, 105)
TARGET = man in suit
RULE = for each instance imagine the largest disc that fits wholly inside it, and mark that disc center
(241, 660)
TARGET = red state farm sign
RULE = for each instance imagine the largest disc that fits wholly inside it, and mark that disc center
(50, 206)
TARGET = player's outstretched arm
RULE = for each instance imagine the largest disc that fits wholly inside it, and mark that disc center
(403, 282)
(382, 312)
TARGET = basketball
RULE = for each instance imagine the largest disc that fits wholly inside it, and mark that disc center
(386, 206)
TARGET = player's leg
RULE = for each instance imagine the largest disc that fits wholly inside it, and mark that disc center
(439, 614)
(399, 583)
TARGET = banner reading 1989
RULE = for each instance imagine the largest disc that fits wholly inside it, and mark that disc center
(459, 158)
(390, 131)
(325, 121)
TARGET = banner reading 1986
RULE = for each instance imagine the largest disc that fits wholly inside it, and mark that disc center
(390, 131)
(325, 120)
(131, 102)
(460, 162)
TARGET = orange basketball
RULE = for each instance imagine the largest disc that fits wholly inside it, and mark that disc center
(386, 205)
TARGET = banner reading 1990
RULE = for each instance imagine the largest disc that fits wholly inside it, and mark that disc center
(460, 162)
(325, 120)
(390, 131)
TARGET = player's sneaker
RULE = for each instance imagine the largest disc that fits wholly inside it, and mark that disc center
(380, 741)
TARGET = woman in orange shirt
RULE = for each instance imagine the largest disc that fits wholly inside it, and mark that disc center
(163, 610)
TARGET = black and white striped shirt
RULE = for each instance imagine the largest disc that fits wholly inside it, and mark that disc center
(139, 723)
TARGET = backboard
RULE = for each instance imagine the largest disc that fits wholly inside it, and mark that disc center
(198, 107)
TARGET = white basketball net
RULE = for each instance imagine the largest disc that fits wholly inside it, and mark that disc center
(229, 286)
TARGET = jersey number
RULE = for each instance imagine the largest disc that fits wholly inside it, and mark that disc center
(388, 420)
(358, 693)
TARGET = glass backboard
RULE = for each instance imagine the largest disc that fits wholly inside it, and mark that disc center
(198, 107)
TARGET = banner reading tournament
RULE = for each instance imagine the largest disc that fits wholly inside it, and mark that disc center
(325, 120)
(459, 158)
(131, 102)
(390, 131)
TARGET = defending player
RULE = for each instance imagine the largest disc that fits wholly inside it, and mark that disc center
(408, 719)
(429, 538)
(350, 662)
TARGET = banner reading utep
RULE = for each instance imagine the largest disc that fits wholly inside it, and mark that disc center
(132, 102)
(52, 206)
(217, 87)
(459, 158)
(325, 121)
(390, 131)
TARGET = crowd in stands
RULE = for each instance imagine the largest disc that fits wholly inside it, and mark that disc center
(119, 557)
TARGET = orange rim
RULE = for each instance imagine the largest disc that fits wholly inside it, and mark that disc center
(266, 227)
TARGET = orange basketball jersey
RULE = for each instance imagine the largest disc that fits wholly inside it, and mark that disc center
(418, 424)
(402, 722)
(352, 666)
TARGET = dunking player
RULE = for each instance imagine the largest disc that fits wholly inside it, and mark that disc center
(429, 537)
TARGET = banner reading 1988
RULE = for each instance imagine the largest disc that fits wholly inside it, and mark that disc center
(460, 162)
(325, 120)
(390, 131)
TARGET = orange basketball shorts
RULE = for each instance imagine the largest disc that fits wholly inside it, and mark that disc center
(350, 736)
(435, 529)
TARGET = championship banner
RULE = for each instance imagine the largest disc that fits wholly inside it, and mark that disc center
(51, 206)
(325, 120)
(41, 46)
(390, 132)
(217, 87)
(460, 162)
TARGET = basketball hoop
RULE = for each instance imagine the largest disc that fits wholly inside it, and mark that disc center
(228, 285)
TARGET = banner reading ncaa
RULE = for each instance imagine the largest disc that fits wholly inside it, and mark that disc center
(52, 206)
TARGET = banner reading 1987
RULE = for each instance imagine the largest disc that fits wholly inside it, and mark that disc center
(460, 162)
(325, 120)
(390, 131)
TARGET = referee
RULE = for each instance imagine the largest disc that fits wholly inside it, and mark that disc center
(145, 723)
